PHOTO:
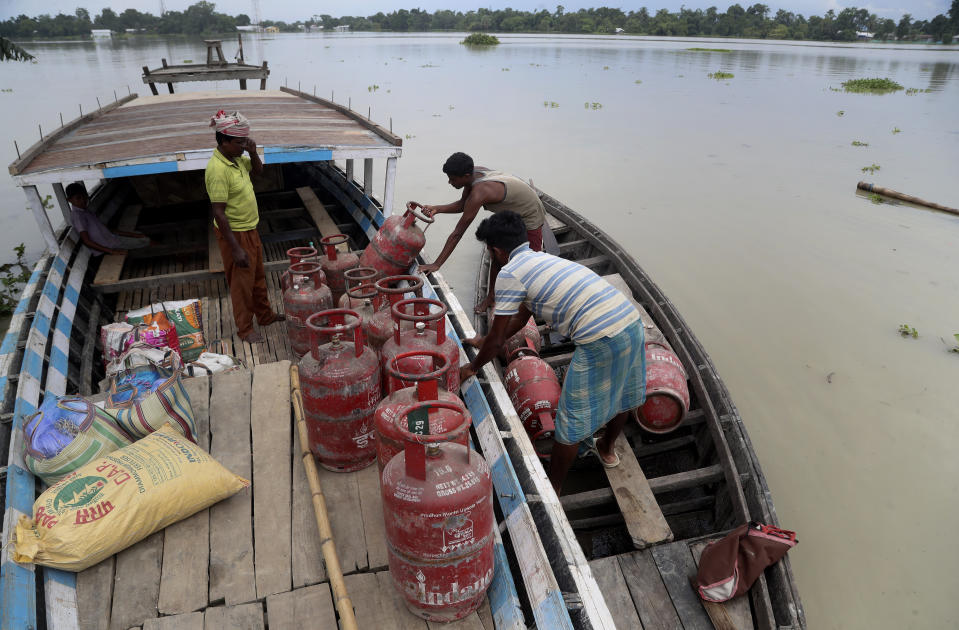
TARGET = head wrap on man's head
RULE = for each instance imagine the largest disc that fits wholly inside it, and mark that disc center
(231, 124)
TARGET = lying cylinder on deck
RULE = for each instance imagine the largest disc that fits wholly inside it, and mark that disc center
(306, 295)
(534, 391)
(437, 507)
(667, 392)
(408, 387)
(429, 333)
(297, 255)
(336, 263)
(395, 246)
(341, 388)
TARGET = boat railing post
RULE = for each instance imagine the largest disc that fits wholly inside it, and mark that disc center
(368, 176)
(349, 170)
(40, 214)
(388, 187)
(62, 201)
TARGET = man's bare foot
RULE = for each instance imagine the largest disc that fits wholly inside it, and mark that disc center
(253, 337)
(483, 306)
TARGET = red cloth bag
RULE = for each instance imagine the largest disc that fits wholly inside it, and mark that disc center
(730, 565)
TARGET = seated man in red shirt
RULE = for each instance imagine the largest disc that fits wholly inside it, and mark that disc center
(93, 232)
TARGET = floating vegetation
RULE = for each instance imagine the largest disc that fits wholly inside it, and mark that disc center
(721, 75)
(908, 331)
(911, 91)
(956, 347)
(504, 69)
(428, 65)
(326, 47)
(637, 81)
(605, 67)
(870, 169)
(550, 104)
(7, 90)
(841, 113)
(876, 198)
(896, 130)
(409, 137)
(536, 65)
(372, 88)
(589, 105)
(709, 49)
(187, 61)
(480, 39)
(452, 108)
(873, 86)
(857, 143)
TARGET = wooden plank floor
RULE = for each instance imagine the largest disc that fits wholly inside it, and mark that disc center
(255, 556)
(650, 590)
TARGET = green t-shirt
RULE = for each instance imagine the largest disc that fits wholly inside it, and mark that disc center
(229, 182)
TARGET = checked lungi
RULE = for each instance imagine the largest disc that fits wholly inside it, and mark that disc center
(605, 377)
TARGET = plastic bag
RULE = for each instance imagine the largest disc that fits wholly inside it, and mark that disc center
(120, 499)
(114, 339)
(184, 315)
(66, 433)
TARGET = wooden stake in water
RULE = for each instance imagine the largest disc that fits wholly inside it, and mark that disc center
(61, 119)
(41, 132)
(99, 107)
(115, 99)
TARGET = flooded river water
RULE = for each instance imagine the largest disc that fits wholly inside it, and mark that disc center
(738, 196)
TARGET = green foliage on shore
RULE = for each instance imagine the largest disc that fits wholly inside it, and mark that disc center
(757, 21)
(874, 86)
(12, 278)
(480, 39)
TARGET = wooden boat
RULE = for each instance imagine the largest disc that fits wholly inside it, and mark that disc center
(700, 480)
(255, 556)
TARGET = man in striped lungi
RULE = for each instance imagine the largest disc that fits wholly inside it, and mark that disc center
(606, 378)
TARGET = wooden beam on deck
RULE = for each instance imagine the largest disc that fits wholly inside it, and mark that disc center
(644, 520)
(112, 264)
(325, 224)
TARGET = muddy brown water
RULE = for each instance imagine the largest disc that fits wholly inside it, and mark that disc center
(738, 196)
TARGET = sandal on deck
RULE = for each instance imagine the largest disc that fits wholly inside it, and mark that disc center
(593, 449)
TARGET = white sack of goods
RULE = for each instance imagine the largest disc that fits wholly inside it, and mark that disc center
(119, 499)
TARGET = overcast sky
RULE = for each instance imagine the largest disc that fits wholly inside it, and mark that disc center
(292, 10)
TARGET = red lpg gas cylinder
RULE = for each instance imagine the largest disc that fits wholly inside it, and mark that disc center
(390, 291)
(297, 255)
(437, 506)
(534, 391)
(359, 288)
(667, 393)
(306, 295)
(394, 248)
(429, 319)
(530, 331)
(341, 388)
(336, 263)
(408, 388)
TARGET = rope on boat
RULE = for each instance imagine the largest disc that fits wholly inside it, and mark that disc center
(340, 596)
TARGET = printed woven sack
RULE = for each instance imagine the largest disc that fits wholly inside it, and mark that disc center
(160, 333)
(730, 565)
(145, 398)
(66, 433)
(113, 339)
(119, 499)
(138, 354)
(185, 316)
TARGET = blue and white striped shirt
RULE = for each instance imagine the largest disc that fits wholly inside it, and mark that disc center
(572, 299)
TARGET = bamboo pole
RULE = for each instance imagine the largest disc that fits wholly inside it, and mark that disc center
(341, 598)
(888, 192)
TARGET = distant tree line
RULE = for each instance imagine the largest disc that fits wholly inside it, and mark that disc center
(756, 21)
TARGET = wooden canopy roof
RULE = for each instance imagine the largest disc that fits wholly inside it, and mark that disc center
(157, 134)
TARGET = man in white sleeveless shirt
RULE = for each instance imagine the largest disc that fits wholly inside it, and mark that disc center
(496, 191)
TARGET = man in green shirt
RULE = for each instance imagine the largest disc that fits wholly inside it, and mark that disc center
(235, 217)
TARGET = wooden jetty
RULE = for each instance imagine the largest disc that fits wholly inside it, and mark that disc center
(217, 68)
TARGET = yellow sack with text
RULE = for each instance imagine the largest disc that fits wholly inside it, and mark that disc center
(119, 499)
